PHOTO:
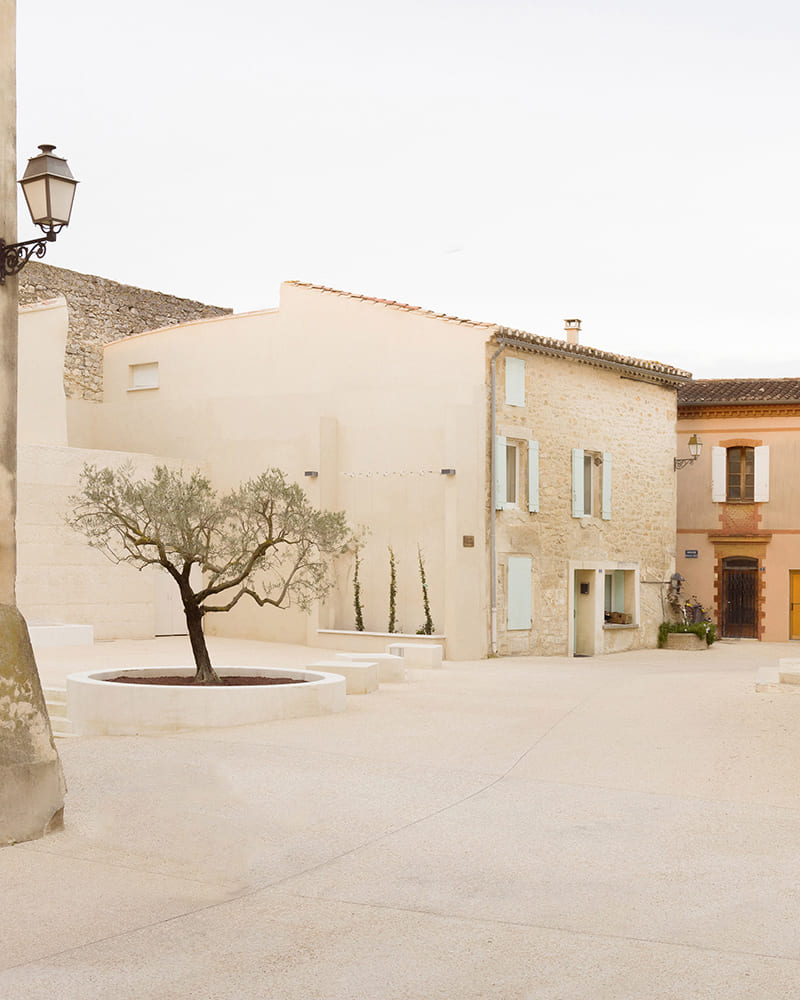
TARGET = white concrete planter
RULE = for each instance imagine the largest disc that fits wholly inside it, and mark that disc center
(374, 642)
(97, 708)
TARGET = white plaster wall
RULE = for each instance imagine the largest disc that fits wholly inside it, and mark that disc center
(377, 399)
(41, 401)
(60, 579)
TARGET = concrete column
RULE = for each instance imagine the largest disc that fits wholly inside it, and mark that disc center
(8, 304)
(31, 780)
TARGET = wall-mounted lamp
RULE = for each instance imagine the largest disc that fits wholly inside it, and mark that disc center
(695, 447)
(448, 472)
(49, 188)
(311, 473)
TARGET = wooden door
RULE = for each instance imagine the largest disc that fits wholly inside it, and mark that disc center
(794, 604)
(740, 597)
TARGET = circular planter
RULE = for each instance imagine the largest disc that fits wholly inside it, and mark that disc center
(97, 708)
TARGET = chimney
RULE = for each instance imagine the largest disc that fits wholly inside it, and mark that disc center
(572, 329)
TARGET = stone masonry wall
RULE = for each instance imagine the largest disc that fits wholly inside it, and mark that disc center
(100, 312)
(570, 405)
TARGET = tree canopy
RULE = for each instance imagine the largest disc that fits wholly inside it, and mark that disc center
(263, 540)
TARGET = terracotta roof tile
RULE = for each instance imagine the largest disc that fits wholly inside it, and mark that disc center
(594, 355)
(733, 391)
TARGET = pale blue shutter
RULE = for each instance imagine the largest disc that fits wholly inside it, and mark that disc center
(499, 472)
(533, 476)
(619, 590)
(515, 382)
(719, 461)
(605, 506)
(577, 482)
(761, 461)
(520, 592)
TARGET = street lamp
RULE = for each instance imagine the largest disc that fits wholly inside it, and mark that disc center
(49, 187)
(695, 447)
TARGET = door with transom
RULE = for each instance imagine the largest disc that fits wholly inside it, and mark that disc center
(740, 597)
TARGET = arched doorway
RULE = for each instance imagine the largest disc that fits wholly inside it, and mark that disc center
(740, 597)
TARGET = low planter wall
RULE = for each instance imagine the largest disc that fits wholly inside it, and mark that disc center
(685, 641)
(97, 708)
(372, 642)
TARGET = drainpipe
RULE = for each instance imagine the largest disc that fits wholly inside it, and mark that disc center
(493, 501)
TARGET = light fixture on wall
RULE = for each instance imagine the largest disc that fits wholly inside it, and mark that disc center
(448, 472)
(695, 447)
(49, 188)
(311, 473)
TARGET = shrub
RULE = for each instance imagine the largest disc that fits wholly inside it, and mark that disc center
(705, 630)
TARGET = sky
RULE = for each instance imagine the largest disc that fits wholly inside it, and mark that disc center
(633, 164)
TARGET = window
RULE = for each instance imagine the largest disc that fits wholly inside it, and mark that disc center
(591, 483)
(620, 590)
(512, 467)
(143, 376)
(509, 468)
(740, 474)
(515, 382)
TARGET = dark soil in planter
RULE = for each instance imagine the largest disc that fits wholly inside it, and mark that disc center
(231, 680)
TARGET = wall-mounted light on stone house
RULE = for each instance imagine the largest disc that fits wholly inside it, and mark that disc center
(695, 447)
(49, 189)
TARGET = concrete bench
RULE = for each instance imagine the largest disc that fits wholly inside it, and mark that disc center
(789, 671)
(390, 667)
(361, 677)
(44, 634)
(417, 654)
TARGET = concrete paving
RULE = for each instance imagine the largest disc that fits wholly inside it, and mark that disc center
(616, 827)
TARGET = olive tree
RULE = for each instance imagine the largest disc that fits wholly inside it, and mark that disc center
(262, 540)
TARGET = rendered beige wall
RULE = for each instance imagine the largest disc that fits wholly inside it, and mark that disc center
(375, 398)
(572, 405)
(42, 404)
(780, 515)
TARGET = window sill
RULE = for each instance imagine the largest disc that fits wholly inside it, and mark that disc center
(140, 388)
(608, 625)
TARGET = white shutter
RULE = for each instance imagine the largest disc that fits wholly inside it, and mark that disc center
(515, 382)
(719, 461)
(605, 508)
(499, 472)
(761, 486)
(577, 482)
(520, 592)
(533, 476)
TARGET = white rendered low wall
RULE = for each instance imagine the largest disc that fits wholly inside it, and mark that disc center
(97, 708)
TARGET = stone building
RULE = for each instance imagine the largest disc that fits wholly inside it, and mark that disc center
(584, 494)
(534, 475)
(738, 510)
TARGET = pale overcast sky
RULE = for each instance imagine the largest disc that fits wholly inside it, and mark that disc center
(634, 164)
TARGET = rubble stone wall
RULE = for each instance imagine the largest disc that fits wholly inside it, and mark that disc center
(102, 311)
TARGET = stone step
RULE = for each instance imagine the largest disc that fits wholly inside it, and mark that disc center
(56, 702)
(55, 697)
(61, 726)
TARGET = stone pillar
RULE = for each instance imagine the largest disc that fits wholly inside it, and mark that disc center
(31, 781)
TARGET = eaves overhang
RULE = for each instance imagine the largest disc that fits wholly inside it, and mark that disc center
(627, 367)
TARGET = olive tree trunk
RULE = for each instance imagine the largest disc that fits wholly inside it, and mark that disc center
(205, 674)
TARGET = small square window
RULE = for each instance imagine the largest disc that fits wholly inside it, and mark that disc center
(143, 376)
